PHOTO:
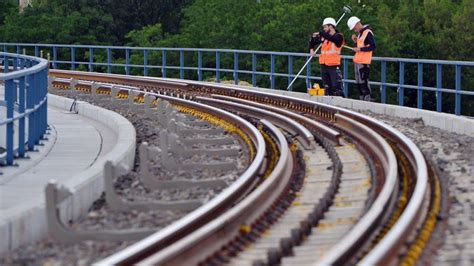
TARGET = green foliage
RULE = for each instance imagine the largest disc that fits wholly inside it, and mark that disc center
(129, 15)
(432, 29)
(6, 7)
(59, 21)
(148, 36)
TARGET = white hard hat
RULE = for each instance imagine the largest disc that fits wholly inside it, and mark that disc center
(352, 22)
(329, 21)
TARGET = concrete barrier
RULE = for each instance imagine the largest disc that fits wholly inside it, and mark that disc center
(31, 224)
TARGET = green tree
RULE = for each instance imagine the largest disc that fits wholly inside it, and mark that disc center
(148, 36)
(7, 6)
(131, 15)
(59, 21)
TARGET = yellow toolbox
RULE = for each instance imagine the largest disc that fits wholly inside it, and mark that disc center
(316, 90)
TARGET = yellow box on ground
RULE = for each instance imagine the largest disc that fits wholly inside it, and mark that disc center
(316, 90)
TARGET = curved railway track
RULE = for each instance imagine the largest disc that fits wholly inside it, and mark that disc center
(331, 187)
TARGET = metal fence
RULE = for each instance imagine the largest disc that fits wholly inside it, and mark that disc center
(23, 109)
(439, 85)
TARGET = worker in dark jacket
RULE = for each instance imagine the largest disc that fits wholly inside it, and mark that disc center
(330, 59)
(365, 46)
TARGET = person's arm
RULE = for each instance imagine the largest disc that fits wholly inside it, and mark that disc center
(313, 41)
(369, 42)
(337, 38)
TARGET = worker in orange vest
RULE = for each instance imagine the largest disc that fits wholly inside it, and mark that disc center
(365, 46)
(330, 58)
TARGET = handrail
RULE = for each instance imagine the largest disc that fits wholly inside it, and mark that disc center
(41, 64)
(189, 49)
(196, 63)
(25, 94)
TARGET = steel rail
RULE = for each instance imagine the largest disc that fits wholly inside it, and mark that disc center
(346, 247)
(326, 131)
(400, 231)
(130, 80)
(206, 240)
(386, 249)
(297, 130)
(205, 213)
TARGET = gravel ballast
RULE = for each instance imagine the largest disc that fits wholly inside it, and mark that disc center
(129, 187)
(451, 154)
(453, 157)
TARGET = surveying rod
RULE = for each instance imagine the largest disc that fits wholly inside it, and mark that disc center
(347, 9)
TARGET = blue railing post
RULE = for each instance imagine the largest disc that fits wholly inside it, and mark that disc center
(457, 101)
(31, 117)
(181, 64)
(91, 59)
(163, 69)
(145, 62)
(290, 70)
(18, 49)
(383, 87)
(218, 67)
(254, 70)
(21, 110)
(401, 80)
(73, 58)
(36, 51)
(345, 77)
(36, 100)
(439, 84)
(127, 62)
(272, 71)
(5, 64)
(55, 56)
(44, 107)
(236, 68)
(10, 99)
(308, 76)
(199, 72)
(109, 60)
(420, 87)
(15, 68)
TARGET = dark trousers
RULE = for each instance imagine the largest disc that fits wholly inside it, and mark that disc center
(332, 80)
(362, 73)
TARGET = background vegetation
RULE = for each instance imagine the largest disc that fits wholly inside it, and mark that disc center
(430, 29)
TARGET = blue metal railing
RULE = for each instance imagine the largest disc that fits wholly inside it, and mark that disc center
(24, 105)
(429, 84)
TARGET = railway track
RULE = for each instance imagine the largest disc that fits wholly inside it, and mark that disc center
(337, 187)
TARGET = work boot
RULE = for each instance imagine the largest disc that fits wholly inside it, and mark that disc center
(367, 98)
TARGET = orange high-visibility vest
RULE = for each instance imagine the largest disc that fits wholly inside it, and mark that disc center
(330, 54)
(363, 57)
